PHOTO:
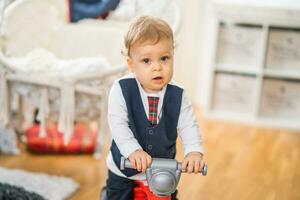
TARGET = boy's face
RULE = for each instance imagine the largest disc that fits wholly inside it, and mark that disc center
(152, 64)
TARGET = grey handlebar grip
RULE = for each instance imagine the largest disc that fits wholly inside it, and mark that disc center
(125, 163)
(203, 170)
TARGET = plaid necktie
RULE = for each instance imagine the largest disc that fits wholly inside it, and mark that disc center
(153, 105)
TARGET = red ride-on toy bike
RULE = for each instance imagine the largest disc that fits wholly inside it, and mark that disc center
(162, 176)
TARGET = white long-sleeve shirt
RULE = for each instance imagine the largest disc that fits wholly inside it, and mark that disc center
(187, 127)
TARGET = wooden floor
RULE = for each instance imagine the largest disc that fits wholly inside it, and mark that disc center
(245, 163)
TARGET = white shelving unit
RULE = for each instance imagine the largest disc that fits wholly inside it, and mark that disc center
(255, 68)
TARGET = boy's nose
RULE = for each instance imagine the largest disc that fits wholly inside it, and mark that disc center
(157, 66)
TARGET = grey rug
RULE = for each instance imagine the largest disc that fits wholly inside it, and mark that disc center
(47, 186)
(10, 192)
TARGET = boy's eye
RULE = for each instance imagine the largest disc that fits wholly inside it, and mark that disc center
(146, 60)
(164, 58)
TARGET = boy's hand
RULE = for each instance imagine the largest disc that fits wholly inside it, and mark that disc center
(140, 160)
(193, 162)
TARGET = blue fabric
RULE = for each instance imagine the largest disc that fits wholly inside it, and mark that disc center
(118, 188)
(157, 140)
(80, 9)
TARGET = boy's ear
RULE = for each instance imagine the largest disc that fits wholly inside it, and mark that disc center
(129, 63)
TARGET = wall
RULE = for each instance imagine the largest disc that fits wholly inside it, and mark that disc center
(191, 56)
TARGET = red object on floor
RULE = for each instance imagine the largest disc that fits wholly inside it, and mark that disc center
(82, 141)
(142, 192)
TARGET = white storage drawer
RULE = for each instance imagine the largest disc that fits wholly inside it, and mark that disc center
(239, 45)
(255, 65)
(233, 93)
(284, 49)
(281, 99)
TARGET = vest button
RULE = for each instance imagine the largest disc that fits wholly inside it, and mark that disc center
(149, 146)
(151, 132)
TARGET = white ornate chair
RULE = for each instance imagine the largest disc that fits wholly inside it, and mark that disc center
(66, 69)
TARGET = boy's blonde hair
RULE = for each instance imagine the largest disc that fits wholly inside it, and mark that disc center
(147, 28)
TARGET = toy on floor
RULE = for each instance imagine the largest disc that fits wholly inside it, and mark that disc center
(162, 176)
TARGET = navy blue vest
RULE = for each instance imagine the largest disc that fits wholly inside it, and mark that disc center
(159, 140)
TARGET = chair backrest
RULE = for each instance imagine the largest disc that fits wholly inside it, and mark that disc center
(28, 24)
(89, 38)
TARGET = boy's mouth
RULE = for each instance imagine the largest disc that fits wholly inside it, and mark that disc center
(158, 78)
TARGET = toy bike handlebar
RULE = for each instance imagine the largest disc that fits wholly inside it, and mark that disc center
(162, 163)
